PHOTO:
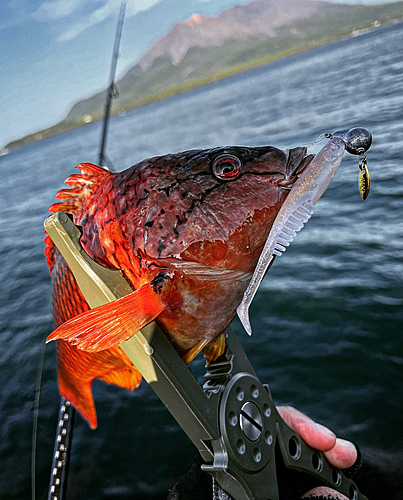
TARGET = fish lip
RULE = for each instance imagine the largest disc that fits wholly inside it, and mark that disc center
(295, 173)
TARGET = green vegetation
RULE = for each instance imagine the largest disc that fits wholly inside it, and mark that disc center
(202, 66)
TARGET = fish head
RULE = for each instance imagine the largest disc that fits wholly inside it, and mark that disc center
(192, 225)
(215, 206)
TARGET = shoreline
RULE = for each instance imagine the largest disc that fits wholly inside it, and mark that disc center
(62, 126)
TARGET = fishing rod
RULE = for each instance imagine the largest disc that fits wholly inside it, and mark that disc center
(112, 89)
(64, 433)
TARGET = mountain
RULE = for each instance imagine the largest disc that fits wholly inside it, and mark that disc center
(206, 48)
(260, 18)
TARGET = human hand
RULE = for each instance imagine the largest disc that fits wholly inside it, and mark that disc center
(339, 452)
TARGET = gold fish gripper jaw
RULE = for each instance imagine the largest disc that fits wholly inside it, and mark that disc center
(232, 419)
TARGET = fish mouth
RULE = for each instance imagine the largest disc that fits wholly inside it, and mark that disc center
(297, 162)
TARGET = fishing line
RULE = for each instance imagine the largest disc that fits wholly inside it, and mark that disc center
(36, 414)
(319, 139)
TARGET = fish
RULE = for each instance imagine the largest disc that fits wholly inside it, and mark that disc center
(187, 230)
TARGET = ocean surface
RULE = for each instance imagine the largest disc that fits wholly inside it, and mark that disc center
(327, 320)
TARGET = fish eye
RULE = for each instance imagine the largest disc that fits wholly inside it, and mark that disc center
(227, 167)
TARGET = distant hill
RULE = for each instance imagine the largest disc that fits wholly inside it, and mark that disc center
(204, 49)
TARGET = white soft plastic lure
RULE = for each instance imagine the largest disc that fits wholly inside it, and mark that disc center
(295, 212)
(299, 205)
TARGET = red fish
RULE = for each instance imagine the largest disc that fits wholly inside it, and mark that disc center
(187, 230)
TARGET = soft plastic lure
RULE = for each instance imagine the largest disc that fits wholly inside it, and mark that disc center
(299, 205)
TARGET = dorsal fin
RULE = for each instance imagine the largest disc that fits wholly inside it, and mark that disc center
(81, 186)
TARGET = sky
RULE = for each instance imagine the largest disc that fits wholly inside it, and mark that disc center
(55, 52)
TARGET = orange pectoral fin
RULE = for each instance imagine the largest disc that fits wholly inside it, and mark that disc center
(105, 326)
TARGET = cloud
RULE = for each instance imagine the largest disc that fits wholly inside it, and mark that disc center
(58, 10)
(135, 6)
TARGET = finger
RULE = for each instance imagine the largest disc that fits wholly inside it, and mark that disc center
(342, 455)
(325, 492)
(315, 435)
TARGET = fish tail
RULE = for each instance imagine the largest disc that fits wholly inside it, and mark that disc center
(77, 370)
